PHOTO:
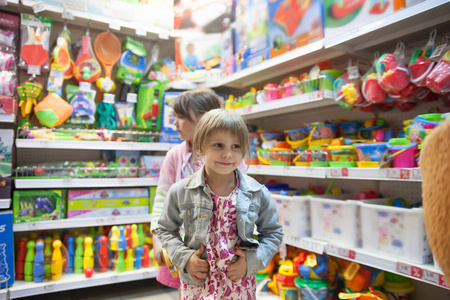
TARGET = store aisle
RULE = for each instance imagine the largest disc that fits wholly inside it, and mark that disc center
(137, 290)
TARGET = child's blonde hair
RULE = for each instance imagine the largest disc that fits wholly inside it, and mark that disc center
(221, 120)
(193, 104)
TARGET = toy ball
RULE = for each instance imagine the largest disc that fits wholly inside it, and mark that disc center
(88, 272)
(39, 170)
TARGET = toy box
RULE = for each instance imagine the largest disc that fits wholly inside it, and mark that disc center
(38, 205)
(128, 162)
(107, 202)
(394, 231)
(294, 215)
(228, 61)
(6, 249)
(149, 106)
(347, 15)
(150, 165)
(6, 144)
(199, 52)
(294, 23)
(252, 40)
(152, 197)
(169, 132)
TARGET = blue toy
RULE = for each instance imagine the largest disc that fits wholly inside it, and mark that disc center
(319, 271)
(71, 252)
(38, 266)
(43, 203)
(138, 257)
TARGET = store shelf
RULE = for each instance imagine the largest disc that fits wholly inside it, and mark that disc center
(84, 182)
(81, 222)
(292, 104)
(390, 174)
(396, 174)
(393, 26)
(75, 281)
(7, 118)
(426, 273)
(288, 62)
(287, 171)
(92, 145)
(5, 203)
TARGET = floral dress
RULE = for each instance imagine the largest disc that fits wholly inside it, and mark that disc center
(222, 242)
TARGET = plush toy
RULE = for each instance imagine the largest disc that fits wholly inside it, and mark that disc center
(435, 167)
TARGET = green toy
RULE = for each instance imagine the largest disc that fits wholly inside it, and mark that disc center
(149, 106)
(131, 65)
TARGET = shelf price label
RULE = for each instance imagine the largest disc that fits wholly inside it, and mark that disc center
(293, 241)
(339, 172)
(49, 287)
(417, 174)
(313, 246)
(409, 270)
(442, 282)
(399, 173)
(33, 226)
(309, 171)
(431, 277)
(339, 251)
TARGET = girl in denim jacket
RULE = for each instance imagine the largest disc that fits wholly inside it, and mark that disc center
(219, 207)
(179, 162)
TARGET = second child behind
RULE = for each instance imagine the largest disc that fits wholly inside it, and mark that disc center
(219, 207)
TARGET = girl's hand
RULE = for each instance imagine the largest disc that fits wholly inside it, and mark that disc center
(196, 267)
(157, 250)
(238, 269)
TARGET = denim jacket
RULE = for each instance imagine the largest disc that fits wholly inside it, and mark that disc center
(188, 202)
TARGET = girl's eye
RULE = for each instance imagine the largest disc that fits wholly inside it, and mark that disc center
(236, 146)
(218, 145)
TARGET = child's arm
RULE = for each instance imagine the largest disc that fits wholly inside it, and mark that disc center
(168, 230)
(270, 235)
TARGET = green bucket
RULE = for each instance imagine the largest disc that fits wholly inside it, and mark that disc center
(330, 76)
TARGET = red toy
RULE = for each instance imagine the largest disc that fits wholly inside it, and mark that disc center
(145, 257)
(392, 76)
(103, 255)
(20, 260)
(290, 14)
(439, 79)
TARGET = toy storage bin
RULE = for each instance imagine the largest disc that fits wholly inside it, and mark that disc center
(342, 156)
(369, 155)
(394, 231)
(294, 214)
(335, 219)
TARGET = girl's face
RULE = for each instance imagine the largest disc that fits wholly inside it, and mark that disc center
(222, 154)
(185, 127)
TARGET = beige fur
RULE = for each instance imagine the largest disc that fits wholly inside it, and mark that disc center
(435, 168)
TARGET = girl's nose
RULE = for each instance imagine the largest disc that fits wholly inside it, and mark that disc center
(227, 153)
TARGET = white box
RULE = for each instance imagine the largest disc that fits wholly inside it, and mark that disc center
(394, 231)
(294, 214)
(336, 220)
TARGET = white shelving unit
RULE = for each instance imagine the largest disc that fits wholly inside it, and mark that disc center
(426, 273)
(92, 145)
(4, 203)
(7, 118)
(75, 281)
(80, 222)
(84, 182)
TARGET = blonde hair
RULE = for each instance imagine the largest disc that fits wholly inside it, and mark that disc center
(221, 120)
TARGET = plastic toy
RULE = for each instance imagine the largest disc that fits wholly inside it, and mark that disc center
(38, 265)
(315, 267)
(372, 294)
(146, 256)
(392, 74)
(29, 259)
(57, 261)
(107, 49)
(312, 289)
(28, 94)
(120, 262)
(149, 106)
(34, 50)
(70, 254)
(439, 78)
(20, 260)
(78, 258)
(83, 105)
(86, 68)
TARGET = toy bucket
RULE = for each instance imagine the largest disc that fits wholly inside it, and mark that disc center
(301, 157)
(272, 91)
(329, 76)
(370, 153)
(272, 135)
(310, 85)
(287, 90)
(403, 153)
(317, 156)
(281, 157)
(372, 90)
(342, 156)
(350, 129)
(320, 134)
(263, 156)
(311, 289)
(420, 70)
(429, 121)
(297, 138)
(375, 132)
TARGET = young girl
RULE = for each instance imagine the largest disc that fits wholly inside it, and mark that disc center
(179, 162)
(219, 208)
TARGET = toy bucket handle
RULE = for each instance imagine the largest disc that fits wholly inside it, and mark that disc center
(265, 161)
(425, 121)
(424, 74)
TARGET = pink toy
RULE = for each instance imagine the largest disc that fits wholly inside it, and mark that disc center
(272, 91)
(439, 79)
